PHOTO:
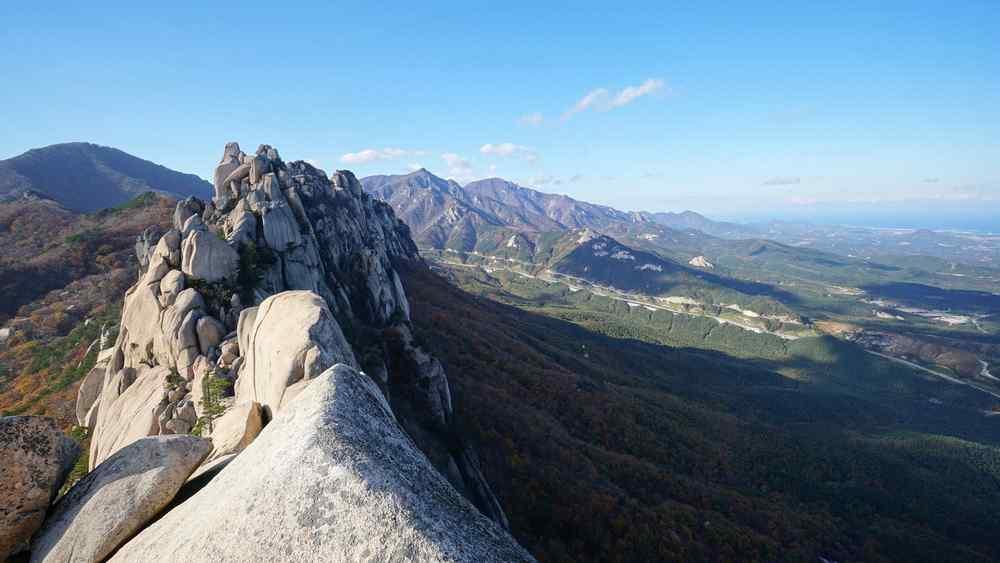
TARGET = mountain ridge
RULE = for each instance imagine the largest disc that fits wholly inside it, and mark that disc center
(87, 177)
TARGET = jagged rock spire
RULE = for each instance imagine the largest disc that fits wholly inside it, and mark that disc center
(278, 241)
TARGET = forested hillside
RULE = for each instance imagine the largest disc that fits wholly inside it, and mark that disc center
(613, 449)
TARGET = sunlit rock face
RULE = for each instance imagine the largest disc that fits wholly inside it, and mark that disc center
(331, 478)
(250, 296)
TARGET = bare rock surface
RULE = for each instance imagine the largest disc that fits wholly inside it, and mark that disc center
(701, 262)
(117, 499)
(208, 257)
(130, 415)
(331, 478)
(236, 429)
(244, 302)
(35, 458)
(88, 392)
(293, 338)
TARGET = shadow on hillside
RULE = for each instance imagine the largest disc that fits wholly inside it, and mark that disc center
(751, 288)
(824, 383)
(930, 297)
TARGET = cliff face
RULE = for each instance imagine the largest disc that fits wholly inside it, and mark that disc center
(284, 273)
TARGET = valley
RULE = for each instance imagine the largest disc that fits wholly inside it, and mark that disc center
(924, 311)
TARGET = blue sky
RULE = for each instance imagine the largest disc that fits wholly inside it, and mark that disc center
(750, 110)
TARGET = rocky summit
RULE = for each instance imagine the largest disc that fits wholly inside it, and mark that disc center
(273, 318)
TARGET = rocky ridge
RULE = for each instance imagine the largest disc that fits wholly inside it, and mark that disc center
(248, 298)
(336, 464)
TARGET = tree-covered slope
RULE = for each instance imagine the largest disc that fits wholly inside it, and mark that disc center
(608, 448)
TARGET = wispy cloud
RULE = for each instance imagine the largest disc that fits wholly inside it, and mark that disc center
(509, 150)
(589, 100)
(366, 156)
(602, 99)
(782, 181)
(532, 119)
(632, 93)
(459, 168)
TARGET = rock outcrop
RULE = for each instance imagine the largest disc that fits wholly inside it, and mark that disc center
(236, 429)
(88, 392)
(129, 404)
(252, 295)
(117, 499)
(701, 262)
(331, 478)
(35, 458)
(293, 338)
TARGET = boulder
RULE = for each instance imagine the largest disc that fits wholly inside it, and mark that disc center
(193, 223)
(238, 174)
(36, 458)
(185, 210)
(210, 333)
(140, 340)
(230, 162)
(332, 478)
(208, 257)
(158, 267)
(172, 239)
(243, 225)
(281, 231)
(259, 165)
(294, 337)
(128, 412)
(88, 392)
(118, 498)
(244, 327)
(236, 429)
(228, 352)
(144, 243)
(170, 286)
(188, 300)
(170, 252)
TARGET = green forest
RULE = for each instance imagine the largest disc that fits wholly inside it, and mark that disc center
(605, 445)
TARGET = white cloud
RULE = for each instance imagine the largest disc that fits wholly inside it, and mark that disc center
(632, 93)
(602, 99)
(371, 155)
(532, 119)
(589, 100)
(459, 169)
(509, 150)
(414, 166)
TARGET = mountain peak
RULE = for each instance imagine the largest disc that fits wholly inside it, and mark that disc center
(86, 176)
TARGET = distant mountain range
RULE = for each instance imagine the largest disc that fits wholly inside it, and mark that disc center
(88, 177)
(550, 234)
(443, 214)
